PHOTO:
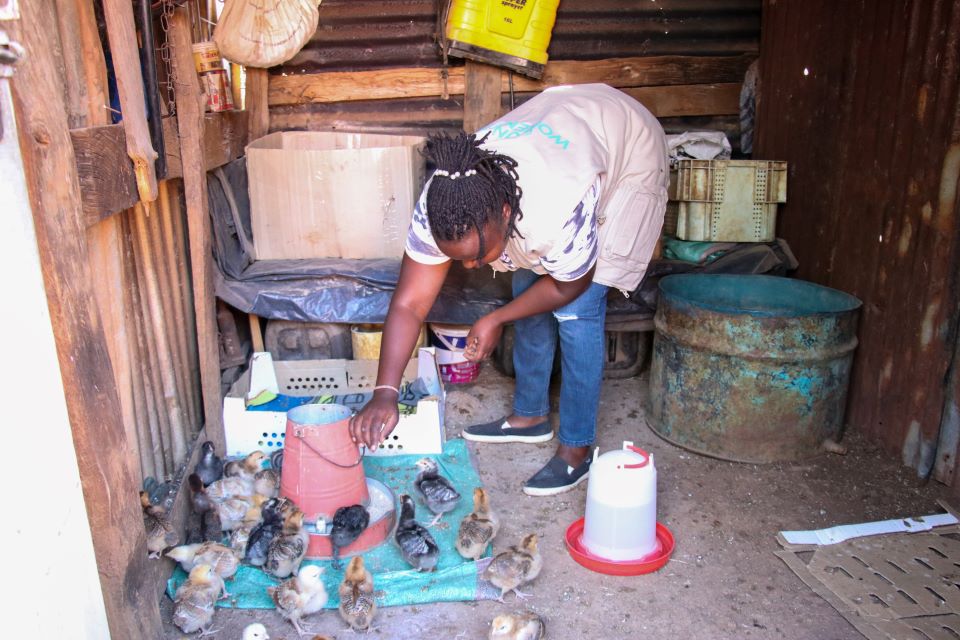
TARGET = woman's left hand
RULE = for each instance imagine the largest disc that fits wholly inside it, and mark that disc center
(483, 338)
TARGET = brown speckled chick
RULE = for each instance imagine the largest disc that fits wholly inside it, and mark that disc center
(357, 606)
(514, 567)
(246, 468)
(300, 596)
(287, 549)
(196, 599)
(160, 533)
(517, 626)
(478, 528)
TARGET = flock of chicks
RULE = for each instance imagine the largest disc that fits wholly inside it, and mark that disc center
(240, 498)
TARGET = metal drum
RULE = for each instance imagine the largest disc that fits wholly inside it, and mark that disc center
(750, 368)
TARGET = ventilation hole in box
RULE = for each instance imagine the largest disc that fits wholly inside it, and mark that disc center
(260, 443)
(895, 566)
(396, 437)
(874, 598)
(399, 446)
(920, 633)
(273, 435)
(282, 436)
(925, 564)
(381, 446)
(265, 434)
(906, 596)
(938, 552)
(840, 569)
(389, 446)
(882, 577)
(936, 595)
(953, 633)
(299, 379)
(862, 563)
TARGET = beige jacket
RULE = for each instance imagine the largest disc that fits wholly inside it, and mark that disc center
(564, 138)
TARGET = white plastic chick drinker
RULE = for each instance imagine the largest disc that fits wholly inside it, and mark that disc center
(620, 522)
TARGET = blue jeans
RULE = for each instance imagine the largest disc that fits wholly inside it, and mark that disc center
(580, 325)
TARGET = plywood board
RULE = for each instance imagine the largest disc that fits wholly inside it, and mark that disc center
(891, 586)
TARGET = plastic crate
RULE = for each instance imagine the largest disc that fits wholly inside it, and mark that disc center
(729, 200)
(418, 433)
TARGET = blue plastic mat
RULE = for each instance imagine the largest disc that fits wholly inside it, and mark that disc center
(455, 579)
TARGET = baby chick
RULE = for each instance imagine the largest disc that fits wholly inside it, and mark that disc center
(272, 514)
(230, 487)
(246, 468)
(300, 595)
(478, 528)
(287, 549)
(357, 606)
(160, 533)
(255, 631)
(436, 491)
(210, 466)
(417, 546)
(266, 482)
(235, 512)
(204, 506)
(348, 524)
(517, 626)
(195, 600)
(222, 559)
(239, 538)
(516, 566)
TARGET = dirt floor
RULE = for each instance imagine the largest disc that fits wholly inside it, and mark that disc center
(723, 580)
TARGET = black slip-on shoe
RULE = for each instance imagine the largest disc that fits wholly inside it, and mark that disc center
(556, 477)
(501, 431)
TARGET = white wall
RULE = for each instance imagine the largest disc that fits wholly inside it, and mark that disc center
(53, 589)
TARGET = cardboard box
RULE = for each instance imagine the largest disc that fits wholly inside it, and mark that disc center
(419, 433)
(332, 194)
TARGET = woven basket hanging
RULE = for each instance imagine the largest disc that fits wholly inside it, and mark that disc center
(264, 33)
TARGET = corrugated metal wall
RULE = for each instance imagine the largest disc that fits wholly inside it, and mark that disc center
(861, 98)
(374, 34)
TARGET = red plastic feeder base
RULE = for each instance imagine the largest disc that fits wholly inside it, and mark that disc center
(383, 517)
(647, 564)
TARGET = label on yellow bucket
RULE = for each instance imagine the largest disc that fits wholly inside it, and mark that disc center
(206, 57)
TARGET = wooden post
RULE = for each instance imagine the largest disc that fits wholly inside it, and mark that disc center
(258, 120)
(106, 459)
(190, 107)
(481, 100)
(126, 67)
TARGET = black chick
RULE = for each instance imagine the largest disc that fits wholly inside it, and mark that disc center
(348, 524)
(417, 546)
(271, 513)
(206, 510)
(210, 465)
(437, 492)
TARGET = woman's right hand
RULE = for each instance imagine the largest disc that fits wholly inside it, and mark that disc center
(376, 420)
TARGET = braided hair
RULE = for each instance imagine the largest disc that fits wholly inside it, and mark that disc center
(458, 201)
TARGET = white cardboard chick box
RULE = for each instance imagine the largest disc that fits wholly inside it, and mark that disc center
(419, 433)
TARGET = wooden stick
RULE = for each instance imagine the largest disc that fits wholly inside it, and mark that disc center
(256, 105)
(109, 480)
(164, 368)
(177, 319)
(481, 100)
(85, 72)
(256, 334)
(190, 105)
(126, 67)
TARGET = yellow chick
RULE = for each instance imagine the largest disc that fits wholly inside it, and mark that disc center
(514, 567)
(221, 558)
(245, 468)
(357, 606)
(287, 549)
(196, 599)
(517, 626)
(160, 533)
(478, 528)
(232, 487)
(300, 596)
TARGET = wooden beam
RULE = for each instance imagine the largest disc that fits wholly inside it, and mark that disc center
(481, 100)
(126, 67)
(104, 456)
(190, 125)
(385, 84)
(107, 179)
(84, 67)
(689, 100)
(256, 102)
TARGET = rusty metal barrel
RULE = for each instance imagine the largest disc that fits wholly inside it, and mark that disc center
(750, 368)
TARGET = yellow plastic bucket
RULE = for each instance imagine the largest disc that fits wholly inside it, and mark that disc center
(366, 340)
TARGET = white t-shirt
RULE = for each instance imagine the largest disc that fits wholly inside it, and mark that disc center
(573, 250)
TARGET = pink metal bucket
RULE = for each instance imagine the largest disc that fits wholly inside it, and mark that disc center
(322, 468)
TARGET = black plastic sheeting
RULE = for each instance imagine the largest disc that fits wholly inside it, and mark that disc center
(359, 291)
